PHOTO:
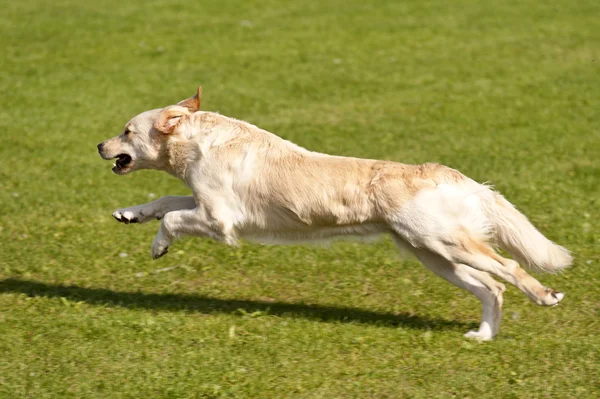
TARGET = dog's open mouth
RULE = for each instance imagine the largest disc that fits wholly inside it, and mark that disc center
(123, 163)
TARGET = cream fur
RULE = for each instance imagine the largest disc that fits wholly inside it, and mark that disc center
(251, 184)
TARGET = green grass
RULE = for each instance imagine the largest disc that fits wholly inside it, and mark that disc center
(506, 92)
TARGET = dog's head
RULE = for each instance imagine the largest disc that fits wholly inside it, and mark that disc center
(143, 143)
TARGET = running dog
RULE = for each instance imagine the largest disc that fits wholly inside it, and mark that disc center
(251, 184)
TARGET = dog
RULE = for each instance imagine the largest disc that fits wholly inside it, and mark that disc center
(251, 184)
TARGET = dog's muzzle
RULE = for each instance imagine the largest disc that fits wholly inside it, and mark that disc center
(122, 165)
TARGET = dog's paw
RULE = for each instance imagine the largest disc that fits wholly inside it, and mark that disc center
(125, 216)
(160, 246)
(135, 214)
(550, 298)
(163, 251)
(479, 335)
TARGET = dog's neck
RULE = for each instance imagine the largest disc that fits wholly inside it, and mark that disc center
(181, 154)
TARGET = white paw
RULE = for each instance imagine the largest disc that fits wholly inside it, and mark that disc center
(556, 297)
(559, 296)
(480, 336)
(135, 214)
(552, 298)
(160, 246)
(125, 216)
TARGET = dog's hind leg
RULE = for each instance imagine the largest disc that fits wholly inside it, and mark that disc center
(153, 210)
(480, 284)
(480, 256)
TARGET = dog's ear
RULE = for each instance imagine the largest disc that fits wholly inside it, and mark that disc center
(193, 103)
(170, 117)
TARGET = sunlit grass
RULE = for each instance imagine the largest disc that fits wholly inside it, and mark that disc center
(506, 92)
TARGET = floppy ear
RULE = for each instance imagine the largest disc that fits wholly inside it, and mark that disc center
(170, 117)
(193, 103)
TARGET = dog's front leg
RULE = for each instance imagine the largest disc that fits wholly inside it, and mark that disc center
(194, 222)
(153, 210)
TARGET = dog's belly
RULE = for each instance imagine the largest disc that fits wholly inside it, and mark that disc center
(317, 235)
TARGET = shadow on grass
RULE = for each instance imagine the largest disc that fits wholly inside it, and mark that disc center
(204, 304)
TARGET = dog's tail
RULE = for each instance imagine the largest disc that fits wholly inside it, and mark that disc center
(515, 234)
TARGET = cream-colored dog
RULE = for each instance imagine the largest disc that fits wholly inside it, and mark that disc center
(249, 183)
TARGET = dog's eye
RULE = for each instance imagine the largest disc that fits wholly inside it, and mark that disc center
(126, 132)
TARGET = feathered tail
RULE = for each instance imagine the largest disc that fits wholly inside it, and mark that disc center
(515, 234)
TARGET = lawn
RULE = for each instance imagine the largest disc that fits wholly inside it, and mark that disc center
(507, 92)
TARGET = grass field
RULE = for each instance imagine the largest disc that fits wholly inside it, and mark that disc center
(506, 92)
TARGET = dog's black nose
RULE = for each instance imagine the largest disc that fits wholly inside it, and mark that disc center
(100, 147)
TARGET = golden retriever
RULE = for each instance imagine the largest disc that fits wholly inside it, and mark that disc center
(249, 183)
